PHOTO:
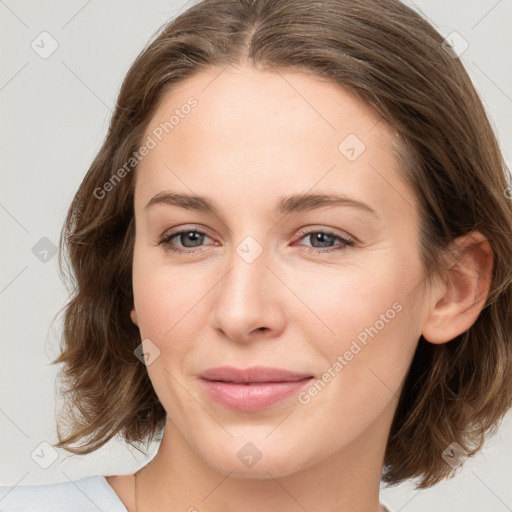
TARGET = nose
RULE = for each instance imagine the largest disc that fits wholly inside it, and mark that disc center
(248, 303)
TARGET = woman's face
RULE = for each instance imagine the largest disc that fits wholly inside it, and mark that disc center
(261, 276)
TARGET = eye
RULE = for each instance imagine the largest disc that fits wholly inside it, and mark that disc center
(322, 240)
(190, 238)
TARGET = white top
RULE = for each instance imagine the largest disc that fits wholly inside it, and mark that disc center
(87, 494)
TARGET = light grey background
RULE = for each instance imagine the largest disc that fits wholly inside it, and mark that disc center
(55, 114)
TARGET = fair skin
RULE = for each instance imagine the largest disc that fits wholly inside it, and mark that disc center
(254, 138)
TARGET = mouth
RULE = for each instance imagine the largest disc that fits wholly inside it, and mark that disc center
(254, 374)
(251, 389)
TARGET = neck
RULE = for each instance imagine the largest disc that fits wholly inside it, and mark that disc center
(178, 479)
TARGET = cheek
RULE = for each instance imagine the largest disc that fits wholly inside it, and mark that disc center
(368, 318)
(170, 303)
(364, 372)
(340, 302)
(166, 307)
(158, 291)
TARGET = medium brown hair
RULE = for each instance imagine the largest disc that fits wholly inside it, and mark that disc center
(393, 59)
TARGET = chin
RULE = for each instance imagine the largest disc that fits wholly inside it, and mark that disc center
(260, 471)
(259, 460)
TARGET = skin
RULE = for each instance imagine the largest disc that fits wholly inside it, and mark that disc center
(253, 138)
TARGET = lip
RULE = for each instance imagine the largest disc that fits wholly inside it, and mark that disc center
(252, 374)
(251, 389)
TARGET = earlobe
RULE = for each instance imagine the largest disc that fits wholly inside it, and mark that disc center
(133, 316)
(460, 297)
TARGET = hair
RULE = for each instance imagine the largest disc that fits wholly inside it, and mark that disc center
(392, 59)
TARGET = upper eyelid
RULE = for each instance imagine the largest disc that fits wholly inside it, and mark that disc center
(331, 231)
(185, 229)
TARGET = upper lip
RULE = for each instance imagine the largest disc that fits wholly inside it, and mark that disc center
(252, 374)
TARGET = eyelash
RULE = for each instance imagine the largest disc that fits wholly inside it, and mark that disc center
(165, 241)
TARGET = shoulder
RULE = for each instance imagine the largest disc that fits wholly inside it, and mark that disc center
(90, 493)
(384, 507)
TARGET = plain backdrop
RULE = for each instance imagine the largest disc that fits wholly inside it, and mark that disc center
(55, 111)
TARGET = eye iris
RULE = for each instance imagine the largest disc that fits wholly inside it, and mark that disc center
(191, 236)
(323, 238)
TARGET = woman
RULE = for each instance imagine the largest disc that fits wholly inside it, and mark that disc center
(291, 256)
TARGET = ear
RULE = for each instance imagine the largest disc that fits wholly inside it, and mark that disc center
(133, 316)
(458, 298)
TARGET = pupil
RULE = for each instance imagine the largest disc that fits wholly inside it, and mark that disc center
(322, 238)
(192, 236)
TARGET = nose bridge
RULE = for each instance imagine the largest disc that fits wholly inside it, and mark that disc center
(246, 300)
(245, 284)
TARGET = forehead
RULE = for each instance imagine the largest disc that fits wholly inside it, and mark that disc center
(295, 104)
(260, 132)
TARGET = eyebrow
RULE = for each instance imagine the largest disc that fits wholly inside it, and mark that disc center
(287, 204)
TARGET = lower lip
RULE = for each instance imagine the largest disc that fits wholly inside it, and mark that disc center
(251, 397)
